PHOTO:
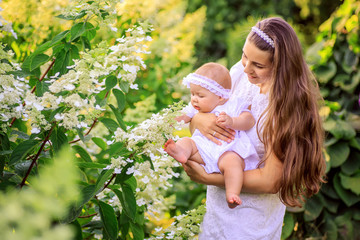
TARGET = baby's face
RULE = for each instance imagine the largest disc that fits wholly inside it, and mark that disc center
(202, 99)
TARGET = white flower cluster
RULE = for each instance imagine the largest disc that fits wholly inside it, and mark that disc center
(151, 133)
(6, 26)
(105, 10)
(123, 59)
(12, 89)
(85, 79)
(147, 139)
(185, 226)
(152, 182)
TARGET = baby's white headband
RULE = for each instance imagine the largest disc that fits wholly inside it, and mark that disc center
(264, 36)
(207, 83)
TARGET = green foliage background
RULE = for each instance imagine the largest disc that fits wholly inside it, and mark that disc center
(329, 31)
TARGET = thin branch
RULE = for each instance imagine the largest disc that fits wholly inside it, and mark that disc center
(37, 156)
(108, 183)
(87, 133)
(44, 75)
(87, 215)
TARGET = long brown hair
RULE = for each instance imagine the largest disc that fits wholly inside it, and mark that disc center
(292, 128)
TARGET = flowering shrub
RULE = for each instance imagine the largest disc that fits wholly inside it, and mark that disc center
(72, 92)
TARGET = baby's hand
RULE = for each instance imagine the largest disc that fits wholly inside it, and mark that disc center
(224, 120)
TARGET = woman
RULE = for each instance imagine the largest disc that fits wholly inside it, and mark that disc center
(288, 137)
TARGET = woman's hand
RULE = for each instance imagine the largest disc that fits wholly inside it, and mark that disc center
(206, 124)
(197, 174)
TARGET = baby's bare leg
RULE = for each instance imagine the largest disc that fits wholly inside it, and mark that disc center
(232, 166)
(183, 150)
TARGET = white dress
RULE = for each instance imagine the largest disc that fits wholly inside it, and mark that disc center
(211, 152)
(260, 216)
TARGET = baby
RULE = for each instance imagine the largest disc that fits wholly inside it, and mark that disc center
(210, 87)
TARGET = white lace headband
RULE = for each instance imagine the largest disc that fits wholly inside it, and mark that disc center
(263, 35)
(207, 83)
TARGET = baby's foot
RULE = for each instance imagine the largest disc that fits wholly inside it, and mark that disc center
(233, 200)
(175, 151)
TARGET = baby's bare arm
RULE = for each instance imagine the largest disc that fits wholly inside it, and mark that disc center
(243, 122)
(184, 118)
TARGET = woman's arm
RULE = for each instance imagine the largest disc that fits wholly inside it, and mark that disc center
(260, 180)
(206, 124)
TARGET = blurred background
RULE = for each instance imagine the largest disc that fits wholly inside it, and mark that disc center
(188, 33)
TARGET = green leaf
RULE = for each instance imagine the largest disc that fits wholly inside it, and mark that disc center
(128, 201)
(78, 231)
(21, 168)
(118, 116)
(338, 153)
(109, 220)
(352, 164)
(110, 82)
(20, 135)
(351, 182)
(86, 43)
(38, 60)
(42, 48)
(122, 177)
(120, 98)
(331, 229)
(91, 165)
(41, 88)
(22, 150)
(137, 231)
(99, 142)
(85, 29)
(59, 37)
(124, 86)
(116, 148)
(288, 227)
(348, 197)
(110, 124)
(58, 139)
(102, 179)
(61, 63)
(355, 143)
(77, 30)
(87, 193)
(350, 61)
(340, 129)
(4, 140)
(313, 208)
(131, 182)
(328, 190)
(325, 72)
(90, 32)
(83, 153)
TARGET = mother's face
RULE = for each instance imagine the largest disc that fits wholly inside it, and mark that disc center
(258, 66)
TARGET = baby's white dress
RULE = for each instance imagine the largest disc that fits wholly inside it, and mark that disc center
(260, 216)
(211, 152)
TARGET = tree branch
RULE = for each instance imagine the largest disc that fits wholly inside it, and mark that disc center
(37, 156)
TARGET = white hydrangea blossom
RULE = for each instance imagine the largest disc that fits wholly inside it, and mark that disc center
(152, 132)
(82, 82)
(185, 226)
(148, 138)
(91, 8)
(12, 88)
